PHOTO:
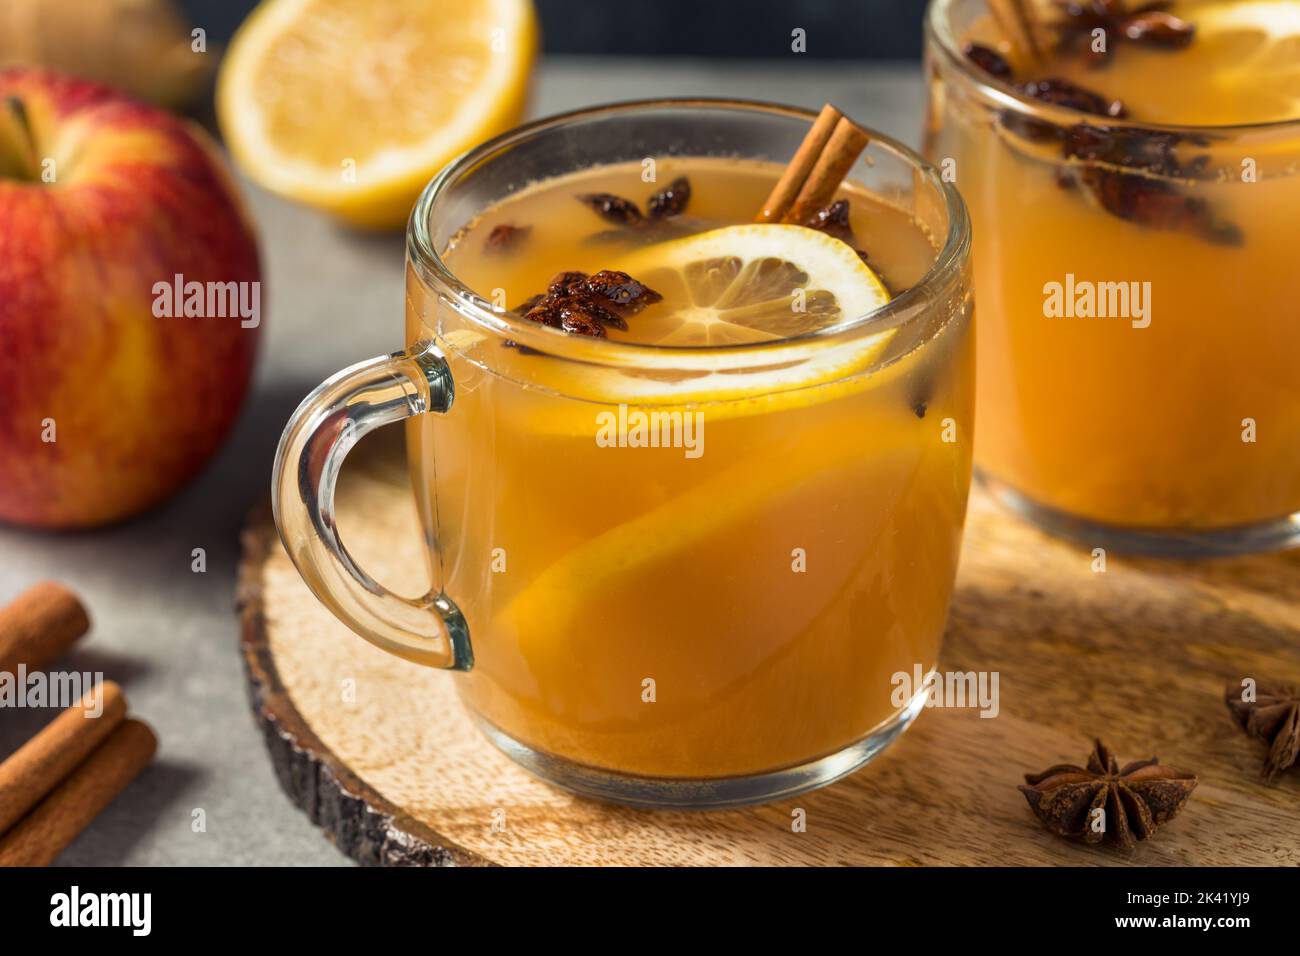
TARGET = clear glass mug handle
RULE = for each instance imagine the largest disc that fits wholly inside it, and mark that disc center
(429, 630)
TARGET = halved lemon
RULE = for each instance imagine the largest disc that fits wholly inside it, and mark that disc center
(352, 107)
(754, 283)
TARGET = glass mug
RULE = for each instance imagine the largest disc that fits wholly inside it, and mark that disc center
(633, 623)
(1172, 433)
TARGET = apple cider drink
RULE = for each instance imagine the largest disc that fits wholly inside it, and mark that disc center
(705, 546)
(1133, 180)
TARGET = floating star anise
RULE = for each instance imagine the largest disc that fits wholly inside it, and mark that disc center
(1273, 716)
(834, 221)
(665, 205)
(1149, 150)
(588, 304)
(505, 238)
(1149, 200)
(670, 201)
(1104, 154)
(989, 60)
(613, 209)
(1135, 798)
(1053, 90)
(1148, 24)
(1060, 92)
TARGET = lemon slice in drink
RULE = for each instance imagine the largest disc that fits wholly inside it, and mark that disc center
(1257, 44)
(352, 106)
(728, 498)
(756, 283)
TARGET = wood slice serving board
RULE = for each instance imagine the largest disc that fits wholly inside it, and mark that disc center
(380, 754)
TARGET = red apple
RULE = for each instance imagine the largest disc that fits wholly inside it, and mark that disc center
(112, 395)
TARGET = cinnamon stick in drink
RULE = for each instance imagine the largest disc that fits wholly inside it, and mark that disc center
(55, 822)
(39, 626)
(842, 150)
(1016, 21)
(797, 171)
(47, 759)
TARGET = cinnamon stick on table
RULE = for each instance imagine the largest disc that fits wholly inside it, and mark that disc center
(44, 833)
(47, 759)
(819, 165)
(39, 625)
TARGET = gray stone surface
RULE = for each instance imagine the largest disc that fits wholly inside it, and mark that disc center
(169, 635)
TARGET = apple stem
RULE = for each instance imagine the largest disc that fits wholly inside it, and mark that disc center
(18, 110)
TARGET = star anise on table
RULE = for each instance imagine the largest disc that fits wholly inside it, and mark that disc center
(1135, 798)
(1273, 716)
(1148, 24)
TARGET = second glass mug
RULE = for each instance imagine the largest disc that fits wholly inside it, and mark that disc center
(652, 641)
(1174, 434)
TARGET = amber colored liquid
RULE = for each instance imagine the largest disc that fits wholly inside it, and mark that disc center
(639, 610)
(1142, 427)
